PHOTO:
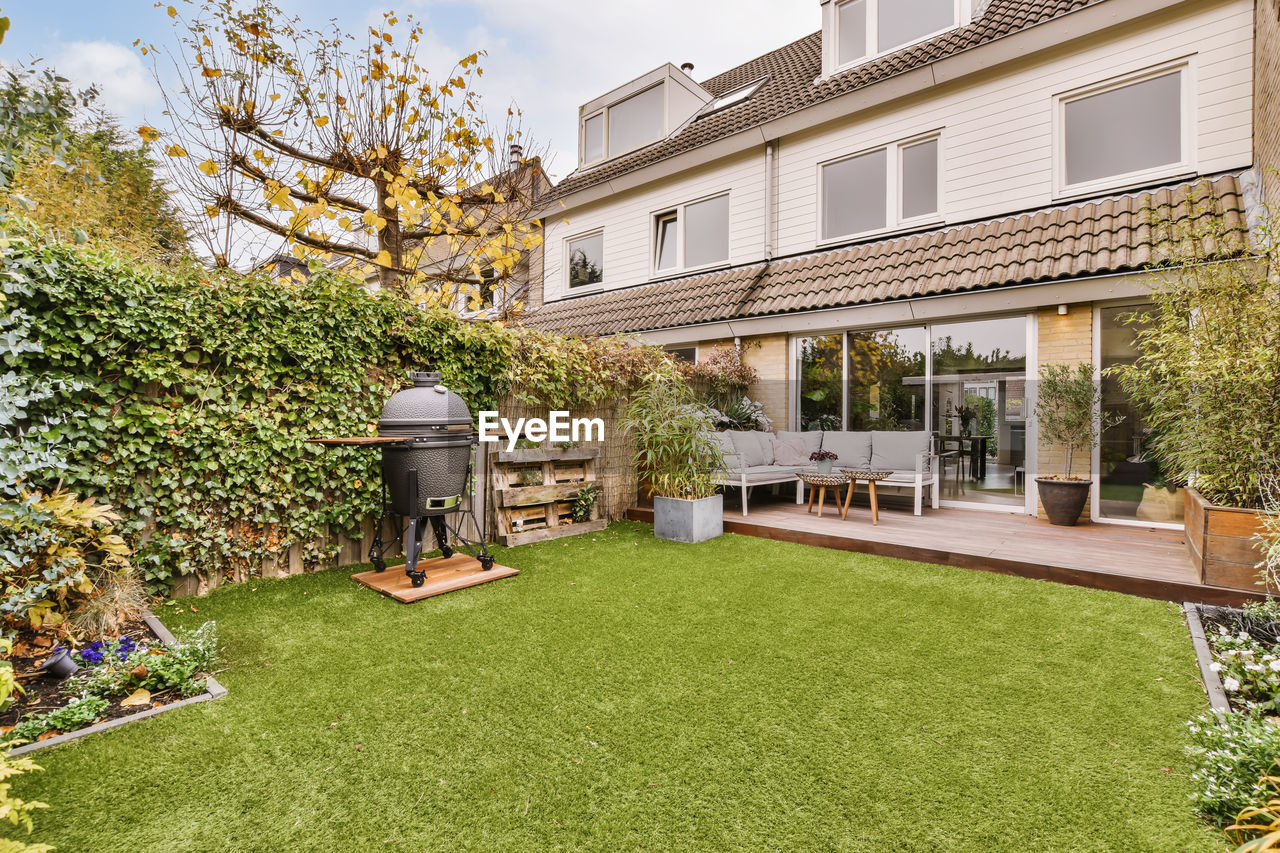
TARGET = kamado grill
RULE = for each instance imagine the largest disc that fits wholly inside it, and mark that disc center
(426, 440)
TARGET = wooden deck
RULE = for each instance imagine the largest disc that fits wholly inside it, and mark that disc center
(1148, 562)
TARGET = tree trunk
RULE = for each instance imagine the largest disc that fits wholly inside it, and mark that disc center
(389, 239)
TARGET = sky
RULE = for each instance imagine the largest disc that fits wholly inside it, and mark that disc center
(548, 57)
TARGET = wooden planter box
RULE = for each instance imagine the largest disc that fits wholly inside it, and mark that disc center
(534, 491)
(1220, 540)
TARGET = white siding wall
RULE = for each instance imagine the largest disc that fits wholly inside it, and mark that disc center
(627, 221)
(997, 146)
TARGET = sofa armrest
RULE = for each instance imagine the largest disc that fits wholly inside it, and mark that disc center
(926, 464)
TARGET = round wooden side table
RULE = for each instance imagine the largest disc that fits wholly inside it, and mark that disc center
(871, 478)
(819, 483)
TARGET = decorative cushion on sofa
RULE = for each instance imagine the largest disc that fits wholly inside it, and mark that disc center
(897, 451)
(732, 459)
(812, 440)
(852, 449)
(790, 451)
(755, 447)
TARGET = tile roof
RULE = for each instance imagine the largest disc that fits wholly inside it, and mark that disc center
(1106, 235)
(793, 69)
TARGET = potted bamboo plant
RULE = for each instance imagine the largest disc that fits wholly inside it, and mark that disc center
(677, 454)
(1065, 406)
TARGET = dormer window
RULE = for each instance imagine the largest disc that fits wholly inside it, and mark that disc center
(625, 126)
(638, 113)
(859, 30)
(732, 98)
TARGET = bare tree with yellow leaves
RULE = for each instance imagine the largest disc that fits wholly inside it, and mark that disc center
(342, 146)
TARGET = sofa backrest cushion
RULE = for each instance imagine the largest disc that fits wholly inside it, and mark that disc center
(790, 451)
(897, 451)
(812, 440)
(755, 447)
(732, 459)
(852, 449)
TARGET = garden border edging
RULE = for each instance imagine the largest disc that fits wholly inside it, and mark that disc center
(1212, 683)
(213, 690)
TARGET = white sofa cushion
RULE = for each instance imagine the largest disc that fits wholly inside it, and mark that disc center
(897, 451)
(790, 451)
(852, 449)
(755, 447)
(811, 438)
(732, 459)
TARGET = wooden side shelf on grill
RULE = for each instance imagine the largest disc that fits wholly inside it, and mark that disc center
(443, 575)
(534, 490)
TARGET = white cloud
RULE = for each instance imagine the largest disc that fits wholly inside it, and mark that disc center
(126, 87)
(553, 56)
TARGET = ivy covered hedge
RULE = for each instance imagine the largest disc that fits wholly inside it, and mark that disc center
(186, 396)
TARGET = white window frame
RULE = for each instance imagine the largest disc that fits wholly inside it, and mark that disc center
(1185, 167)
(672, 348)
(894, 220)
(566, 253)
(604, 137)
(607, 153)
(680, 269)
(963, 16)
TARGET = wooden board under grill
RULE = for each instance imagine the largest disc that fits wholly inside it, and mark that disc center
(443, 575)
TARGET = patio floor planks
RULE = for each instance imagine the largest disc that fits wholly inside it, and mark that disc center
(1148, 562)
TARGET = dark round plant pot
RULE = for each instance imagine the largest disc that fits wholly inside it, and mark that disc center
(1063, 500)
(60, 665)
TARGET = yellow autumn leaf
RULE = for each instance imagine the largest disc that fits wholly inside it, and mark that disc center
(148, 133)
(373, 220)
(383, 259)
(176, 150)
(173, 13)
(211, 211)
(274, 98)
(141, 696)
(345, 222)
(210, 72)
(321, 121)
(209, 167)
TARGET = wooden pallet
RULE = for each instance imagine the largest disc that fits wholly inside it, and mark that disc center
(443, 575)
(534, 491)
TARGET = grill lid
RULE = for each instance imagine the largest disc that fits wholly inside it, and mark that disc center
(426, 407)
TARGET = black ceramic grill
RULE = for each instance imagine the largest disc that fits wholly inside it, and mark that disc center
(426, 439)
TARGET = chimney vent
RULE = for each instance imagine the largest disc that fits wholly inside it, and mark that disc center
(687, 67)
(517, 155)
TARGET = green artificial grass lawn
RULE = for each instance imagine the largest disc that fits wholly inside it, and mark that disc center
(625, 693)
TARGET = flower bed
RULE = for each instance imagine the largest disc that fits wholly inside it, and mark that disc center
(138, 674)
(1235, 747)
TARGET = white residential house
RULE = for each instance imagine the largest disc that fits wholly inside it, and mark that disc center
(916, 206)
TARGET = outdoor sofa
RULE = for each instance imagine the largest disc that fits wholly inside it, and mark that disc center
(758, 458)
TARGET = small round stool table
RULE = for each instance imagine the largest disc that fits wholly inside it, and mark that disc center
(819, 483)
(871, 478)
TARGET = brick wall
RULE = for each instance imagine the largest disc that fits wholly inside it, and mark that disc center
(769, 358)
(1266, 96)
(1064, 339)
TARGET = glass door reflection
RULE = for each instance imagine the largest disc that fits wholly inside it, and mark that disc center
(979, 409)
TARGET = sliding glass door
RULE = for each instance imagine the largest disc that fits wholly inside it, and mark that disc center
(978, 407)
(965, 382)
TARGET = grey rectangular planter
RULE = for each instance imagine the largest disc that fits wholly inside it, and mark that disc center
(689, 521)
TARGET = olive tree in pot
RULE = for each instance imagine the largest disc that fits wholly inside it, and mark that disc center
(678, 455)
(1065, 406)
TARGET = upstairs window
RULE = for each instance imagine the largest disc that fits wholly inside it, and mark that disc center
(1124, 132)
(629, 124)
(888, 187)
(868, 28)
(693, 235)
(585, 259)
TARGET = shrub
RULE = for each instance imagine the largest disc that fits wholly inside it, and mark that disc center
(1257, 828)
(676, 450)
(1231, 753)
(119, 667)
(17, 812)
(1250, 671)
(58, 556)
(1207, 376)
(78, 713)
